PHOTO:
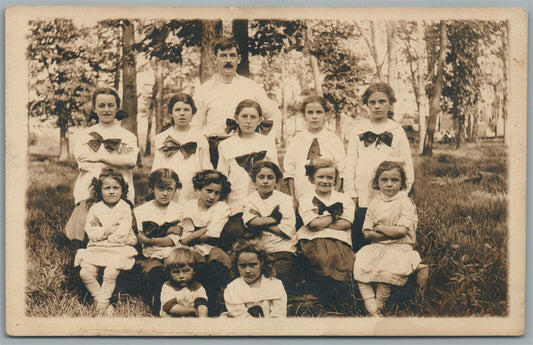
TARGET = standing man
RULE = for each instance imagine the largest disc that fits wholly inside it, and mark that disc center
(217, 98)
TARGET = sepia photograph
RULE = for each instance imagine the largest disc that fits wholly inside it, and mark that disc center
(183, 171)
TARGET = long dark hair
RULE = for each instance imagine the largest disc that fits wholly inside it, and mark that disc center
(205, 177)
(96, 186)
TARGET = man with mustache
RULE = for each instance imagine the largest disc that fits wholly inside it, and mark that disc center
(217, 98)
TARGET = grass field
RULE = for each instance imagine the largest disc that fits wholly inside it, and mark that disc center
(461, 197)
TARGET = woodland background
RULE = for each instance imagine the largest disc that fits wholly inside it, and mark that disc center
(451, 79)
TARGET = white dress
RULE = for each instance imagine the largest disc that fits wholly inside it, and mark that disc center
(254, 205)
(149, 212)
(185, 166)
(241, 183)
(362, 160)
(331, 147)
(88, 170)
(270, 296)
(214, 218)
(389, 261)
(111, 242)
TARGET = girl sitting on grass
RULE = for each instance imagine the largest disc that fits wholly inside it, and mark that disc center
(111, 238)
(203, 220)
(325, 238)
(254, 293)
(390, 224)
(181, 295)
(159, 226)
(269, 214)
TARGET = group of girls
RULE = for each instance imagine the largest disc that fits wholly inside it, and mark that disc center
(200, 227)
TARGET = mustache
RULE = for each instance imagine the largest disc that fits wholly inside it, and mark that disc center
(228, 64)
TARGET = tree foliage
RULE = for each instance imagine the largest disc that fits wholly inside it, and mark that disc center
(61, 81)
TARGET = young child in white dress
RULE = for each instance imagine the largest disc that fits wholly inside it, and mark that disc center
(237, 155)
(159, 231)
(390, 224)
(372, 141)
(325, 238)
(269, 214)
(203, 220)
(181, 295)
(316, 141)
(255, 293)
(180, 147)
(111, 238)
(103, 145)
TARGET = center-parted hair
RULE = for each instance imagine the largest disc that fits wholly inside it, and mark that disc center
(319, 163)
(379, 87)
(248, 103)
(386, 166)
(266, 164)
(180, 257)
(206, 177)
(162, 178)
(178, 97)
(120, 115)
(96, 185)
(252, 246)
(314, 98)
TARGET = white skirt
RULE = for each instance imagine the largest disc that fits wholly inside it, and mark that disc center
(118, 257)
(385, 263)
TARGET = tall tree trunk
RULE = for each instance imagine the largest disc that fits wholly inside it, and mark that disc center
(313, 61)
(211, 32)
(63, 141)
(240, 33)
(434, 107)
(391, 54)
(282, 59)
(116, 79)
(475, 128)
(460, 136)
(129, 75)
(469, 121)
(158, 89)
(148, 146)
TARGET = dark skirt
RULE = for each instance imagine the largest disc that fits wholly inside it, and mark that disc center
(75, 228)
(329, 258)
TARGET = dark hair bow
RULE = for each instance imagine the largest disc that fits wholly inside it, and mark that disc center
(314, 150)
(152, 230)
(231, 125)
(369, 137)
(120, 115)
(309, 169)
(109, 144)
(247, 161)
(334, 210)
(171, 146)
(264, 126)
